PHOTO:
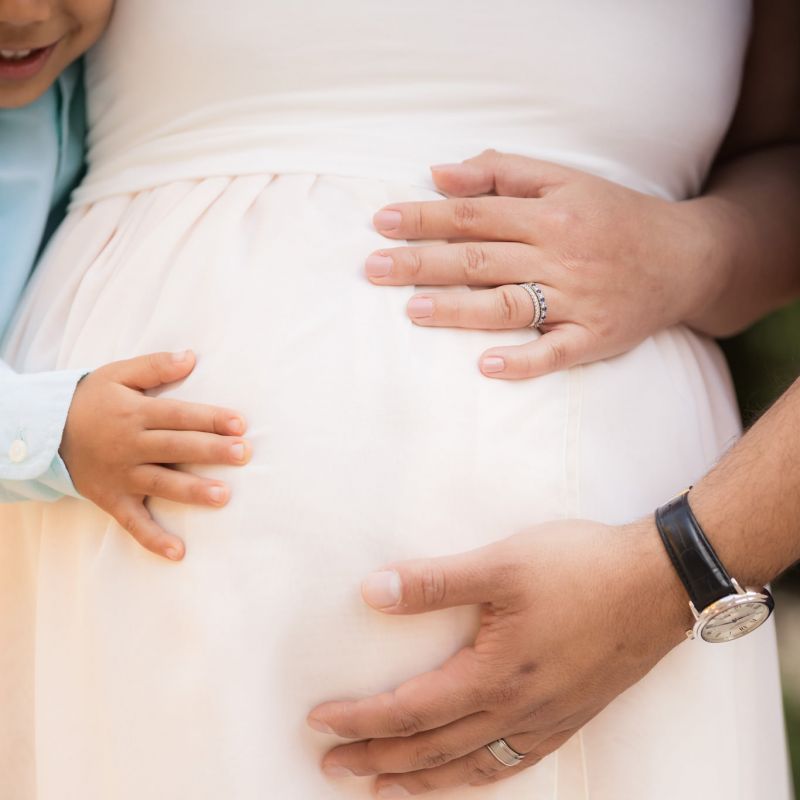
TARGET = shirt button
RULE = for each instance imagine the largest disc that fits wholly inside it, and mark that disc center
(18, 451)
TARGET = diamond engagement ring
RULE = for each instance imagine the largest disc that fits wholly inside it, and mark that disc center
(505, 753)
(539, 303)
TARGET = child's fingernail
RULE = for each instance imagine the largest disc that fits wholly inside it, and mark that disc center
(387, 220)
(393, 790)
(378, 266)
(382, 589)
(237, 452)
(216, 494)
(445, 166)
(236, 425)
(337, 771)
(419, 307)
(173, 553)
(319, 725)
(182, 355)
(493, 364)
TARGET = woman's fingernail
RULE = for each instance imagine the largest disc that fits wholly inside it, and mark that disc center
(216, 494)
(319, 725)
(493, 364)
(393, 790)
(173, 553)
(419, 307)
(181, 355)
(382, 589)
(387, 220)
(236, 426)
(237, 451)
(378, 266)
(337, 771)
(445, 166)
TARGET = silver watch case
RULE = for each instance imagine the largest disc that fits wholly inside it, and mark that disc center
(733, 616)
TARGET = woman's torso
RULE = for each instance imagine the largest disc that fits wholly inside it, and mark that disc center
(373, 439)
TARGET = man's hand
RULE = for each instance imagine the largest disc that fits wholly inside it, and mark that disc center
(117, 443)
(572, 613)
(615, 265)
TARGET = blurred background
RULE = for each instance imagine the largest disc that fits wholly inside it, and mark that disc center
(764, 361)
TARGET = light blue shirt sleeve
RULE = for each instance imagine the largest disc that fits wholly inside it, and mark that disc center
(33, 411)
(41, 159)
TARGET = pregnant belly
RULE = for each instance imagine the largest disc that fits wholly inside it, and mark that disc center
(373, 441)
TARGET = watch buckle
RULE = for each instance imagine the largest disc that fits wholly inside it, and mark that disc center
(690, 632)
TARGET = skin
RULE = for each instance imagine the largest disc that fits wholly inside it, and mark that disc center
(750, 503)
(120, 445)
(742, 245)
(28, 24)
(615, 265)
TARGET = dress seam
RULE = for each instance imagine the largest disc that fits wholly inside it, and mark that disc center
(571, 442)
(572, 510)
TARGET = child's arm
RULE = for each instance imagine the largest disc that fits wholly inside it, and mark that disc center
(33, 411)
(115, 441)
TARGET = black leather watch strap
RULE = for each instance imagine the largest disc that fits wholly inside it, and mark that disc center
(698, 567)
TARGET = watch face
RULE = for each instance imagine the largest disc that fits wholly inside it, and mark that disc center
(731, 623)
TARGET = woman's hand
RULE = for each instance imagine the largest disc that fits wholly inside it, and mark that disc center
(572, 614)
(117, 443)
(615, 265)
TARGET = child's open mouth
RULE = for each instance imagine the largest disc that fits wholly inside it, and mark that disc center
(18, 64)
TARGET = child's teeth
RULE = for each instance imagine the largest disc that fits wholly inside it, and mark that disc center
(15, 54)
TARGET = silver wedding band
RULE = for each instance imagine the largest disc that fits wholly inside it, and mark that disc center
(539, 303)
(505, 753)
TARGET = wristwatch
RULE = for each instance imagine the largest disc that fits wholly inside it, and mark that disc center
(723, 611)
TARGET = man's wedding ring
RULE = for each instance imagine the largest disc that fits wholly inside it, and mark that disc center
(539, 303)
(504, 752)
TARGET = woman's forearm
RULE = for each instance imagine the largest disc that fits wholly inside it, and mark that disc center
(752, 207)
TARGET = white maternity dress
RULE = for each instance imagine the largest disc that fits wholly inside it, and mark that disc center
(238, 151)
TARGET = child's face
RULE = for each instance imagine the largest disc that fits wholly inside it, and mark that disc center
(40, 38)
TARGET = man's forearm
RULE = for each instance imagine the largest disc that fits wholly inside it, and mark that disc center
(749, 505)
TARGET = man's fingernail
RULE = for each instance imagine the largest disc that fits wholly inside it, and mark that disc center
(173, 553)
(216, 494)
(419, 307)
(387, 220)
(319, 725)
(393, 790)
(378, 266)
(493, 364)
(445, 166)
(382, 589)
(237, 452)
(181, 355)
(337, 771)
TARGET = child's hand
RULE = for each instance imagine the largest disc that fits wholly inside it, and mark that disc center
(117, 440)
